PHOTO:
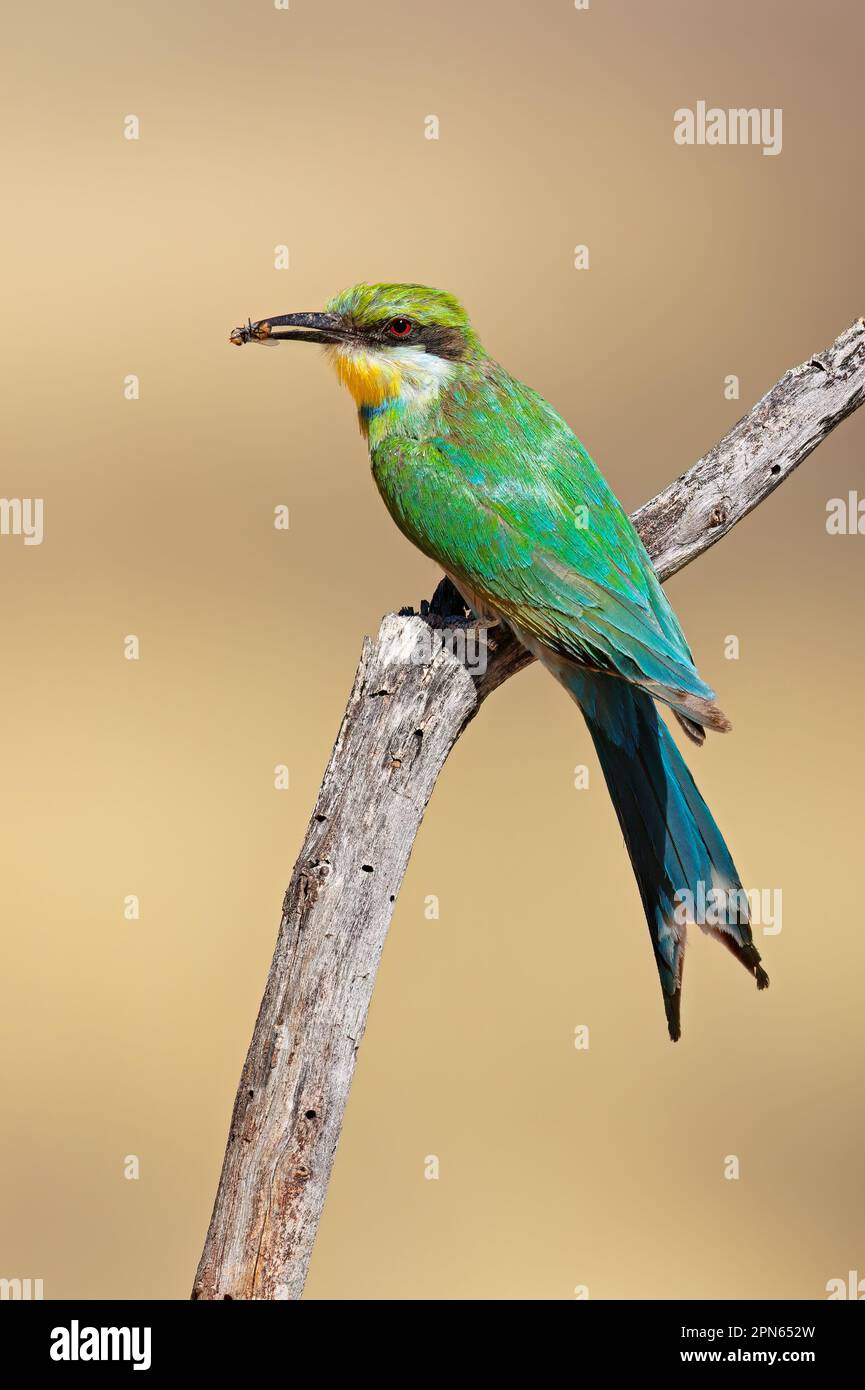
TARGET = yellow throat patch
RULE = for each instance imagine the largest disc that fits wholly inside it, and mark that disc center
(370, 380)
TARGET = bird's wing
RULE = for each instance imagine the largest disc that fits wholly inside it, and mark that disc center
(509, 502)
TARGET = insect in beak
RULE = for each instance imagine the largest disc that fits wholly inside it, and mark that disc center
(250, 332)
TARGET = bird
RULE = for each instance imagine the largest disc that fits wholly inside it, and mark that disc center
(484, 476)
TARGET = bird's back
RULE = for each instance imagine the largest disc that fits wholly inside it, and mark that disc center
(498, 489)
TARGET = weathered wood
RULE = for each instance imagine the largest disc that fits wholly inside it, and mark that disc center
(405, 712)
(411, 700)
(758, 454)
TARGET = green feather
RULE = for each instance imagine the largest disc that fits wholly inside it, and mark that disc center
(505, 497)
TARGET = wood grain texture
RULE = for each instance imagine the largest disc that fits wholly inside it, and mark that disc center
(406, 709)
(758, 454)
(410, 702)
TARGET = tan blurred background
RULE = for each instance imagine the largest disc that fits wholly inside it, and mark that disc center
(257, 128)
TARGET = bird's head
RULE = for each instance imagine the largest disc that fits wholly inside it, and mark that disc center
(386, 342)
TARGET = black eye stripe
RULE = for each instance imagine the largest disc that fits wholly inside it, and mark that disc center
(435, 337)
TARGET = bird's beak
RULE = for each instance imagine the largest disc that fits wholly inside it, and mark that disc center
(310, 328)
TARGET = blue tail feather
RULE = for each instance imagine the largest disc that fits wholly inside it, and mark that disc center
(678, 854)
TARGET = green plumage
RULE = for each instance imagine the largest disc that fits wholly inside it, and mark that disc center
(502, 494)
(484, 476)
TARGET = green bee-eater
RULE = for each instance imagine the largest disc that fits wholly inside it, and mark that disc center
(487, 479)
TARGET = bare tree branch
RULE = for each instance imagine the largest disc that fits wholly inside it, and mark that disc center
(763, 449)
(411, 700)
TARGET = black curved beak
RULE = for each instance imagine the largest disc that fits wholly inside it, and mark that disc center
(310, 328)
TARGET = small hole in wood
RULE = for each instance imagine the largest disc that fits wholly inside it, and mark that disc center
(367, 868)
(311, 1115)
(776, 468)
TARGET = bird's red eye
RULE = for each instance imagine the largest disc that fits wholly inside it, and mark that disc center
(399, 328)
